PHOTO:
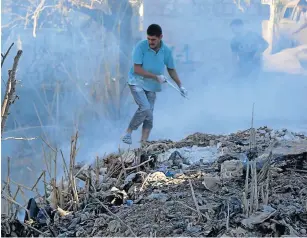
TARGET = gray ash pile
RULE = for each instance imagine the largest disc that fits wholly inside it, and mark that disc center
(250, 183)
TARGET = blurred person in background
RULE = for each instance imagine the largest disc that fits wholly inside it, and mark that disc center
(146, 77)
(303, 16)
(247, 49)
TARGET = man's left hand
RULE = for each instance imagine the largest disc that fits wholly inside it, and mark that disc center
(183, 91)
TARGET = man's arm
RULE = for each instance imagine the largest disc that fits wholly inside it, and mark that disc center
(304, 25)
(140, 71)
(137, 57)
(173, 74)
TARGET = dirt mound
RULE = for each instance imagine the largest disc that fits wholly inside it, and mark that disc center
(250, 183)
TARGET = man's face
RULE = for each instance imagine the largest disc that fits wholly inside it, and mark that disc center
(154, 41)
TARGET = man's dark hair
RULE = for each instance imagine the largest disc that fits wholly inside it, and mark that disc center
(236, 22)
(302, 3)
(154, 30)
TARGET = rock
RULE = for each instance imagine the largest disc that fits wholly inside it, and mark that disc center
(74, 223)
(231, 169)
(81, 232)
(212, 183)
(303, 231)
(193, 229)
(238, 232)
(114, 226)
(83, 217)
(178, 231)
(212, 142)
(258, 217)
(99, 222)
(158, 196)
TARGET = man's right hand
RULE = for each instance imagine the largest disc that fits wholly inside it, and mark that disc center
(161, 79)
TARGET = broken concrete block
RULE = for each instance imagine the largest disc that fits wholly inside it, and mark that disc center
(212, 183)
(231, 169)
(258, 217)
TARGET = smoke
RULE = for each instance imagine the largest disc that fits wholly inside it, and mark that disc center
(81, 58)
(219, 107)
(219, 104)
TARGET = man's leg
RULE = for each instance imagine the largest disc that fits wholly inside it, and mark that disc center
(143, 111)
(148, 122)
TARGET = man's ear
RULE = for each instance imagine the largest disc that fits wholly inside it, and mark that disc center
(161, 37)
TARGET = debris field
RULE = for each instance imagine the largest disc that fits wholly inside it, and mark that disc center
(249, 183)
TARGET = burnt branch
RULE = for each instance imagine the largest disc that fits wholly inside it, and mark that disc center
(10, 91)
(6, 54)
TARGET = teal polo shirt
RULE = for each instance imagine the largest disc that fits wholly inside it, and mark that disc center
(151, 61)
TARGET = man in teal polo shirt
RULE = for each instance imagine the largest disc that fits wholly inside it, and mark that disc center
(145, 78)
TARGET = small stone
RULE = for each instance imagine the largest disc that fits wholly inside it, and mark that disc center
(193, 229)
(80, 232)
(158, 196)
(114, 226)
(169, 203)
(74, 223)
(231, 169)
(62, 235)
(303, 231)
(178, 231)
(155, 226)
(83, 217)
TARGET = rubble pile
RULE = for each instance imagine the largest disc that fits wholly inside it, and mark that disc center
(250, 183)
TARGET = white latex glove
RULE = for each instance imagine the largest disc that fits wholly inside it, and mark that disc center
(161, 78)
(183, 91)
